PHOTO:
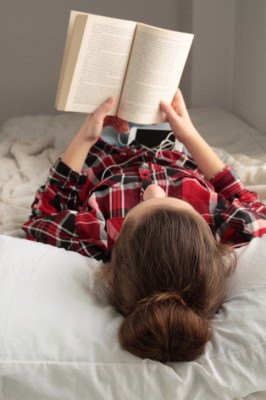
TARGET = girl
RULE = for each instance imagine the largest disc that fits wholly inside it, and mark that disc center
(164, 222)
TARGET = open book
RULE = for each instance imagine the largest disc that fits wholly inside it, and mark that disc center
(137, 64)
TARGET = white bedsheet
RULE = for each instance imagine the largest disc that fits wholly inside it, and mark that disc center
(58, 342)
(225, 130)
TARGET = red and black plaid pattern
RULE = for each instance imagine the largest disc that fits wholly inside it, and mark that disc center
(84, 212)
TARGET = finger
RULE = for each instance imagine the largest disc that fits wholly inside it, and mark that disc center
(169, 111)
(176, 99)
(171, 116)
(178, 95)
(104, 108)
(177, 106)
(179, 102)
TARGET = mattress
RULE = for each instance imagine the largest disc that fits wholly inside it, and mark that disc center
(57, 341)
(226, 131)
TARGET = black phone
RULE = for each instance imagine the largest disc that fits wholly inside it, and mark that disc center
(149, 137)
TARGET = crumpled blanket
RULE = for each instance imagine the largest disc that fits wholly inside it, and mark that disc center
(30, 145)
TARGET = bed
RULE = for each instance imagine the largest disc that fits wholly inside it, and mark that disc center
(58, 341)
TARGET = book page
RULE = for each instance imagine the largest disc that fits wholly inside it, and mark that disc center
(156, 64)
(66, 53)
(102, 63)
(72, 55)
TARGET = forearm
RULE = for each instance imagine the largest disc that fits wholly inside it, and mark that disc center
(88, 134)
(76, 153)
(184, 130)
(72, 231)
(207, 160)
(62, 191)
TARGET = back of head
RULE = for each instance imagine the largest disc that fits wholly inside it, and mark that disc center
(168, 278)
(162, 327)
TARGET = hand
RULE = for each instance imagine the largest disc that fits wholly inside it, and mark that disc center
(204, 156)
(178, 117)
(93, 125)
(77, 151)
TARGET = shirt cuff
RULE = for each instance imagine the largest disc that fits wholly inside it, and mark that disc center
(65, 176)
(226, 181)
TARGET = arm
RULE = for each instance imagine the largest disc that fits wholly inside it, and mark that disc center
(77, 151)
(230, 187)
(225, 181)
(240, 214)
(184, 130)
(65, 181)
(57, 217)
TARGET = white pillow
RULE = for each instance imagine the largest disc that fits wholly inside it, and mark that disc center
(58, 342)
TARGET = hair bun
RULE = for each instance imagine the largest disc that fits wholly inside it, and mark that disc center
(160, 297)
(163, 327)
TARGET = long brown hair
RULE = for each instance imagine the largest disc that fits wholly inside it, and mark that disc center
(167, 276)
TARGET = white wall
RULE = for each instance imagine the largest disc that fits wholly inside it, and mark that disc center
(32, 38)
(226, 67)
(228, 57)
(249, 87)
(210, 76)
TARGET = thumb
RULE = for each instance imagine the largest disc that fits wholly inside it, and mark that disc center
(169, 111)
(104, 108)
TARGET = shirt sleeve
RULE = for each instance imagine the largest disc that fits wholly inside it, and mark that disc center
(240, 215)
(57, 217)
(61, 191)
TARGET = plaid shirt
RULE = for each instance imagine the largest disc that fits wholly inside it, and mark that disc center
(84, 211)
